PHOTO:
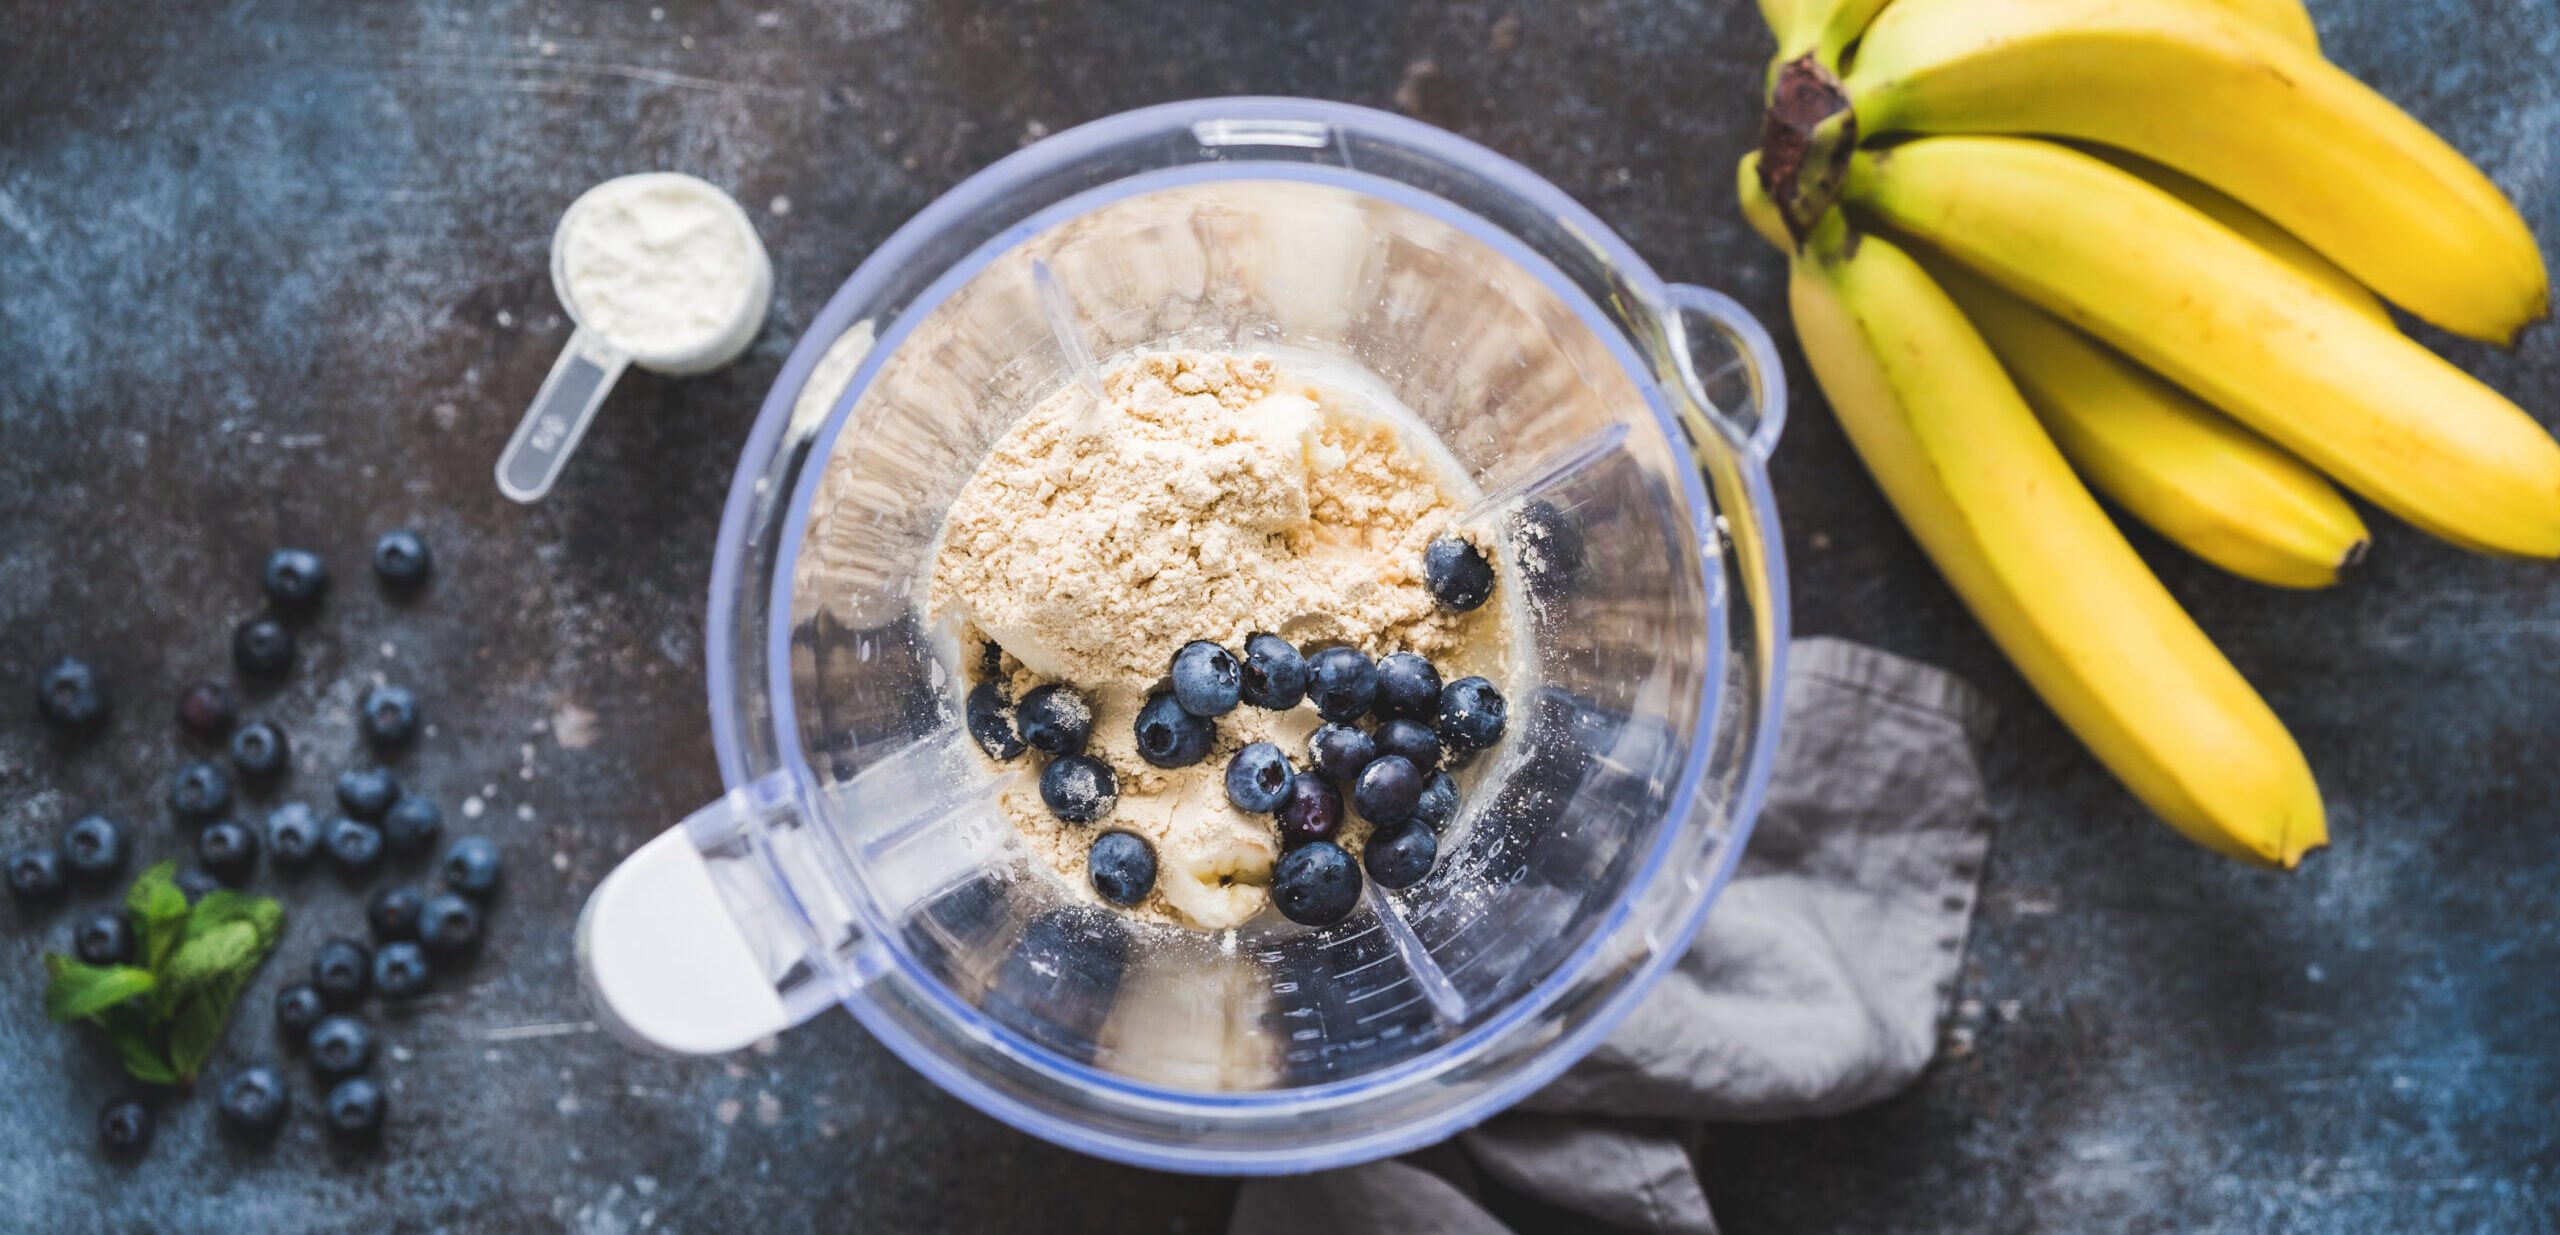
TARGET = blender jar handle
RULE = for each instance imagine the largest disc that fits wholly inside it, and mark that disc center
(1728, 367)
(681, 949)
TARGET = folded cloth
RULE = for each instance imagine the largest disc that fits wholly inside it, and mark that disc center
(1818, 984)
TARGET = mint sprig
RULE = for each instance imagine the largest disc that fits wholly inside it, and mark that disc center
(165, 1014)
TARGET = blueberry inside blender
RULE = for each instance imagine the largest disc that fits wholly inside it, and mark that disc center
(1560, 492)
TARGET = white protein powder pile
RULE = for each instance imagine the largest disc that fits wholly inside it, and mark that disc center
(660, 265)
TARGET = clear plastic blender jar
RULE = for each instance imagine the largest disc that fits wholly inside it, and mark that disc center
(858, 858)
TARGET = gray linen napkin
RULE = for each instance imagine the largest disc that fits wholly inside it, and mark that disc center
(1817, 985)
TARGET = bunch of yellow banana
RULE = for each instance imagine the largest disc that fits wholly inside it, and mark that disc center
(2145, 244)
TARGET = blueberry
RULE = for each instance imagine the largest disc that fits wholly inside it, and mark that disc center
(125, 1127)
(295, 579)
(342, 969)
(207, 710)
(388, 715)
(448, 923)
(1472, 714)
(1399, 858)
(1550, 548)
(262, 647)
(1258, 778)
(1123, 866)
(93, 846)
(1408, 687)
(103, 939)
(400, 970)
(254, 1100)
(260, 751)
(1411, 739)
(471, 867)
(1169, 736)
(1388, 790)
(35, 872)
(354, 847)
(990, 716)
(340, 1046)
(365, 793)
(1438, 803)
(1343, 683)
(1315, 884)
(1079, 788)
(1457, 574)
(298, 1008)
(293, 835)
(401, 560)
(71, 695)
(355, 1108)
(413, 822)
(228, 851)
(1055, 719)
(1338, 752)
(194, 884)
(199, 792)
(1206, 679)
(1274, 675)
(1313, 812)
(393, 912)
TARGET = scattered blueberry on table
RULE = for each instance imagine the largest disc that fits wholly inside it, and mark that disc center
(262, 648)
(365, 793)
(400, 970)
(71, 695)
(413, 822)
(343, 971)
(103, 939)
(253, 1101)
(401, 560)
(471, 867)
(260, 751)
(125, 1127)
(228, 851)
(353, 846)
(355, 1107)
(93, 847)
(448, 923)
(200, 792)
(339, 1046)
(295, 580)
(298, 1008)
(393, 912)
(206, 710)
(293, 835)
(388, 715)
(35, 873)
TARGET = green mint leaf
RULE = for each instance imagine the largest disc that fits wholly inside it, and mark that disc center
(75, 991)
(216, 953)
(223, 906)
(143, 1061)
(197, 1028)
(158, 908)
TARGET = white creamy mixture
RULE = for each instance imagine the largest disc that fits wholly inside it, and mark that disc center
(660, 265)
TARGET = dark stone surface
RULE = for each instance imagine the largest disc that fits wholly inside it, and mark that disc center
(275, 273)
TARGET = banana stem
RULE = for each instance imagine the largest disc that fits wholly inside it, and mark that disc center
(1806, 138)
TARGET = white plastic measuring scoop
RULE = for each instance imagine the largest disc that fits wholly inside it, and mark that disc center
(661, 270)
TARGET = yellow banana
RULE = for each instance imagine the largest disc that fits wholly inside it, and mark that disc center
(1981, 486)
(2257, 229)
(2212, 487)
(2286, 18)
(1821, 27)
(1757, 210)
(2188, 84)
(2142, 271)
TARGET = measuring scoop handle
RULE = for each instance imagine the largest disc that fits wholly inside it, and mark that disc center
(559, 416)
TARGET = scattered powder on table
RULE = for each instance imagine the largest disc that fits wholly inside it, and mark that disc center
(1207, 496)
